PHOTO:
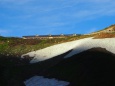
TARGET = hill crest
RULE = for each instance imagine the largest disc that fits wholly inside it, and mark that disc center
(110, 29)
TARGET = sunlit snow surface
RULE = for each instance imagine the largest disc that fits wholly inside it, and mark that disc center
(77, 46)
(41, 81)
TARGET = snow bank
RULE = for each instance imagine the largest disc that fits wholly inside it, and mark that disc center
(49, 52)
(77, 46)
(88, 43)
(41, 81)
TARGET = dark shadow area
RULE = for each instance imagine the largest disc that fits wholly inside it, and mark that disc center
(14, 70)
(94, 67)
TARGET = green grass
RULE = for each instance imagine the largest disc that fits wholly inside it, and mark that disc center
(18, 46)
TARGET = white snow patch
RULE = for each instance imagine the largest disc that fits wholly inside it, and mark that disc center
(49, 52)
(77, 46)
(88, 43)
(41, 81)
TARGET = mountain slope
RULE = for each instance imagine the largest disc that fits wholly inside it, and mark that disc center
(81, 61)
(77, 46)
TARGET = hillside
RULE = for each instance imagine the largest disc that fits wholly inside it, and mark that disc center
(85, 60)
(110, 29)
(108, 32)
(18, 46)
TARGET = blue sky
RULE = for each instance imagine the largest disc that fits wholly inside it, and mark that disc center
(31, 17)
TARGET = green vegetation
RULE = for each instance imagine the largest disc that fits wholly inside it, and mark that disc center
(19, 46)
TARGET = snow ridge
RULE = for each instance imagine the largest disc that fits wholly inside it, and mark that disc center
(88, 43)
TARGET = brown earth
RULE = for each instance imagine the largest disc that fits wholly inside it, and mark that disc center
(104, 35)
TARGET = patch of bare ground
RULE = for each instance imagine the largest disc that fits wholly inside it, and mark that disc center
(104, 35)
(94, 67)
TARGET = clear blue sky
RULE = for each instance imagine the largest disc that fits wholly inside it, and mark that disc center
(31, 17)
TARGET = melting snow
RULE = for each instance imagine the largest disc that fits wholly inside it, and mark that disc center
(88, 43)
(49, 52)
(41, 81)
(77, 46)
